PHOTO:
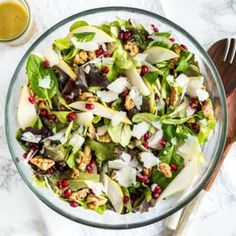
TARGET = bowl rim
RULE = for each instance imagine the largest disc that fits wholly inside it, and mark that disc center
(221, 142)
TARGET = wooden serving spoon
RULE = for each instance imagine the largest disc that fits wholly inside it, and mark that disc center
(223, 55)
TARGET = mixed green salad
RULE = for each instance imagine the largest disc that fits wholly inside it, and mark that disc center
(114, 116)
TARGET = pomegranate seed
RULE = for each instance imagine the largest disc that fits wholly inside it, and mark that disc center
(32, 99)
(172, 39)
(106, 54)
(67, 193)
(105, 69)
(73, 204)
(157, 190)
(144, 70)
(46, 64)
(124, 93)
(44, 113)
(65, 183)
(71, 84)
(59, 184)
(71, 116)
(33, 149)
(162, 142)
(144, 179)
(156, 96)
(174, 167)
(50, 171)
(147, 136)
(204, 103)
(125, 199)
(52, 117)
(99, 52)
(93, 163)
(127, 35)
(193, 105)
(89, 106)
(155, 195)
(184, 47)
(154, 28)
(194, 99)
(89, 169)
(25, 155)
(121, 35)
(145, 144)
(196, 127)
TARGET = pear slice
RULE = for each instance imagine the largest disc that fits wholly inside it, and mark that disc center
(100, 36)
(26, 112)
(113, 192)
(83, 118)
(158, 54)
(137, 81)
(99, 110)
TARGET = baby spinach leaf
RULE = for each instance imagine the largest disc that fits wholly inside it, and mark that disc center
(84, 36)
(78, 24)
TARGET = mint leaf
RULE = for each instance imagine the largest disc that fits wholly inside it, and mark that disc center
(78, 24)
(84, 36)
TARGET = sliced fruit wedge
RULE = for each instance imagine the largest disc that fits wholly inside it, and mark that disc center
(100, 36)
(158, 54)
(55, 60)
(26, 112)
(83, 118)
(137, 81)
(98, 109)
(113, 192)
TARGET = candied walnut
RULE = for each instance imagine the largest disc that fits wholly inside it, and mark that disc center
(91, 133)
(80, 58)
(105, 138)
(85, 157)
(75, 173)
(42, 163)
(129, 103)
(177, 49)
(207, 111)
(76, 196)
(91, 55)
(165, 169)
(88, 96)
(147, 171)
(95, 201)
(132, 48)
(174, 96)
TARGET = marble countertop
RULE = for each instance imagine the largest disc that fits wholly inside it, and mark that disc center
(21, 214)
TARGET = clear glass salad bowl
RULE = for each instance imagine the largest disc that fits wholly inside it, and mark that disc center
(212, 149)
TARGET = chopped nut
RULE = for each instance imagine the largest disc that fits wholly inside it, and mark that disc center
(42, 163)
(85, 157)
(207, 111)
(75, 173)
(129, 103)
(132, 48)
(165, 169)
(76, 196)
(147, 171)
(174, 96)
(91, 55)
(88, 96)
(105, 138)
(42, 106)
(80, 58)
(95, 201)
(91, 131)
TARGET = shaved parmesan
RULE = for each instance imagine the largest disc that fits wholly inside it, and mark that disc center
(126, 176)
(102, 130)
(182, 80)
(117, 164)
(154, 141)
(58, 136)
(190, 111)
(202, 94)
(45, 82)
(96, 187)
(140, 129)
(148, 159)
(76, 141)
(86, 46)
(125, 156)
(137, 97)
(118, 117)
(194, 84)
(119, 85)
(30, 137)
(87, 69)
(107, 96)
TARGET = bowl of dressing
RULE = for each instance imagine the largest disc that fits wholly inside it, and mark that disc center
(16, 24)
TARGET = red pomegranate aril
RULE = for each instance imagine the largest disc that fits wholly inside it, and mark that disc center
(125, 199)
(193, 105)
(196, 127)
(32, 99)
(127, 35)
(144, 70)
(155, 195)
(44, 113)
(105, 70)
(71, 116)
(121, 35)
(154, 28)
(93, 163)
(65, 183)
(156, 96)
(33, 149)
(184, 47)
(52, 117)
(172, 39)
(73, 204)
(25, 155)
(50, 171)
(144, 179)
(89, 169)
(106, 54)
(174, 167)
(194, 99)
(124, 93)
(71, 84)
(67, 193)
(157, 190)
(162, 142)
(46, 64)
(147, 135)
(99, 52)
(145, 144)
(59, 184)
(204, 103)
(89, 106)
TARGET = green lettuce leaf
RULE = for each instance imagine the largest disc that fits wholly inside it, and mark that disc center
(148, 117)
(62, 43)
(78, 24)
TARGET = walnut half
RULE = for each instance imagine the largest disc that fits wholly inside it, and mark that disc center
(85, 157)
(129, 103)
(95, 201)
(42, 163)
(174, 96)
(165, 169)
(76, 196)
(132, 48)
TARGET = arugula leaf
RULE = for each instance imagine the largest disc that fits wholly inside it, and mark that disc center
(151, 77)
(62, 43)
(162, 34)
(169, 131)
(183, 131)
(84, 36)
(36, 72)
(103, 151)
(182, 64)
(148, 117)
(78, 24)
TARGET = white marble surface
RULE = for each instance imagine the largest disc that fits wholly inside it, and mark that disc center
(21, 214)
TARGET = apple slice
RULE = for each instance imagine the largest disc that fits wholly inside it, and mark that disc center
(99, 110)
(113, 192)
(137, 81)
(26, 112)
(55, 60)
(100, 36)
(157, 54)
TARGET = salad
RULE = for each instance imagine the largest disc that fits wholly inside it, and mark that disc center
(114, 116)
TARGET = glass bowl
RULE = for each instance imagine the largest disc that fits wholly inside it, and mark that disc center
(212, 150)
